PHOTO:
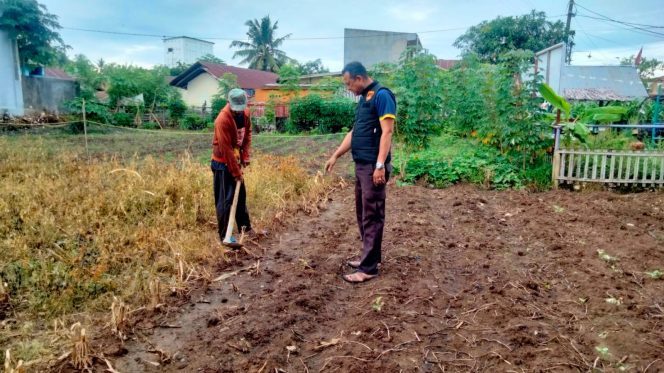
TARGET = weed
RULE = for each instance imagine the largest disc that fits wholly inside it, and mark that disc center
(655, 274)
(606, 257)
(377, 304)
(603, 352)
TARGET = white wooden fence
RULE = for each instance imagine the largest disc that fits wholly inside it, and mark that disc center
(606, 166)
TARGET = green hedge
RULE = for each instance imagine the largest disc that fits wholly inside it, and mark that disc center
(321, 115)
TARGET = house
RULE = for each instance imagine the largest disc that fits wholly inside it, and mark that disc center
(47, 89)
(315, 78)
(200, 81)
(11, 91)
(371, 46)
(184, 49)
(654, 84)
(446, 64)
(587, 83)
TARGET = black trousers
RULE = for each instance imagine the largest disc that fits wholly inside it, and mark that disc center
(370, 210)
(224, 190)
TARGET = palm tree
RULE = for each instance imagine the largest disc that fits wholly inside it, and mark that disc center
(261, 51)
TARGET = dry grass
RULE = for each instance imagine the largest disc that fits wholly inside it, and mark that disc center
(75, 234)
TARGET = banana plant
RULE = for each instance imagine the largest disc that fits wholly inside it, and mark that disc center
(571, 128)
(605, 114)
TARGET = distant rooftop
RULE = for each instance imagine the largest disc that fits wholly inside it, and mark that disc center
(621, 83)
(446, 64)
(188, 37)
(246, 78)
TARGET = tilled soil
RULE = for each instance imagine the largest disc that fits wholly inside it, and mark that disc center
(471, 280)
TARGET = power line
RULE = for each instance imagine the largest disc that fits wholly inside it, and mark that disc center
(602, 38)
(626, 26)
(232, 39)
(615, 20)
(163, 36)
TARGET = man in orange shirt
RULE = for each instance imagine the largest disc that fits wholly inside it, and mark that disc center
(230, 152)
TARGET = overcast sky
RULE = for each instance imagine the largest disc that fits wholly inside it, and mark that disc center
(223, 21)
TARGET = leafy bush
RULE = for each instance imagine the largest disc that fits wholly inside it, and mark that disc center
(94, 110)
(150, 126)
(450, 160)
(217, 104)
(123, 119)
(177, 109)
(322, 115)
(193, 122)
(494, 105)
(418, 88)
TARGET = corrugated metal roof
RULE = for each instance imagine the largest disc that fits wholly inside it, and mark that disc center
(601, 83)
(592, 94)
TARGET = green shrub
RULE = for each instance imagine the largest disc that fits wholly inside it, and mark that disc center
(94, 110)
(123, 119)
(150, 126)
(322, 115)
(193, 122)
(537, 178)
(450, 160)
(217, 104)
(177, 108)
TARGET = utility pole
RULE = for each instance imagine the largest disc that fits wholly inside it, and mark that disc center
(568, 42)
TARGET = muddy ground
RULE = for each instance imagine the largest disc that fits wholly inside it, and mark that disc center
(471, 280)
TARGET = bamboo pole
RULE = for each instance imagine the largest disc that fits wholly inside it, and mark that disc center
(85, 131)
(555, 170)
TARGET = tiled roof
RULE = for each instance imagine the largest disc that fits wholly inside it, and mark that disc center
(52, 72)
(246, 78)
(446, 64)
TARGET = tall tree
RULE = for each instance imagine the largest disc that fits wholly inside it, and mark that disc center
(647, 67)
(262, 51)
(35, 30)
(212, 58)
(490, 39)
(88, 75)
(289, 77)
(312, 67)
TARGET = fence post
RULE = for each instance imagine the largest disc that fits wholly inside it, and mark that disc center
(85, 131)
(555, 169)
(655, 114)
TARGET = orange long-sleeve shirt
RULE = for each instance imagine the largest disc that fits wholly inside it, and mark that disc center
(225, 140)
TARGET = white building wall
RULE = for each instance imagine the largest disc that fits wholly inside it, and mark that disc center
(550, 63)
(199, 90)
(371, 47)
(185, 50)
(11, 91)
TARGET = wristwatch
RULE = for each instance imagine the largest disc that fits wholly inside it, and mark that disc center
(379, 166)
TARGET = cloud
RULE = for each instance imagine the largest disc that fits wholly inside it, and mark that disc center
(612, 56)
(409, 13)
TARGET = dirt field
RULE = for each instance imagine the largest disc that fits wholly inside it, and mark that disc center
(471, 281)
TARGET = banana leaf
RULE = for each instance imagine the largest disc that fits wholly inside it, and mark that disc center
(620, 110)
(607, 117)
(557, 101)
